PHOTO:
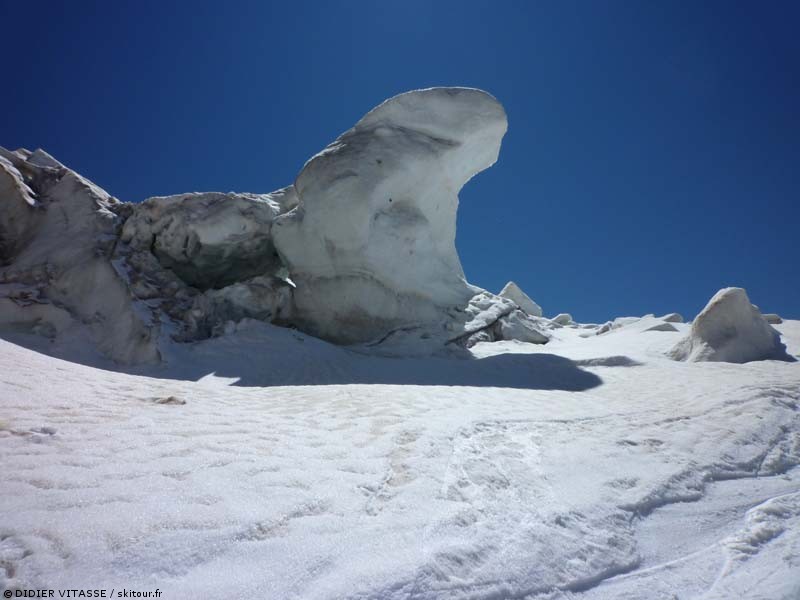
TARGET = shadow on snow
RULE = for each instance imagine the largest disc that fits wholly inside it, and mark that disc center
(273, 356)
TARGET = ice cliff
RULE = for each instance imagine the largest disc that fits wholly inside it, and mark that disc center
(371, 245)
(359, 250)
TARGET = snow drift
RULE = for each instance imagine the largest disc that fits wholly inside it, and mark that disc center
(730, 329)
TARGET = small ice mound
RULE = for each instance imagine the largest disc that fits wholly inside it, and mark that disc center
(518, 326)
(772, 318)
(664, 326)
(730, 329)
(563, 319)
(619, 323)
(513, 292)
(672, 318)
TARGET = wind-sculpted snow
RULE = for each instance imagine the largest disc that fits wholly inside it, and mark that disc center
(371, 245)
(730, 329)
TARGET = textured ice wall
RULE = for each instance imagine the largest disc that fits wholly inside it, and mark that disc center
(57, 232)
(371, 245)
(360, 249)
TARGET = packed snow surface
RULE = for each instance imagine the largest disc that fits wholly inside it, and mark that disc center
(265, 463)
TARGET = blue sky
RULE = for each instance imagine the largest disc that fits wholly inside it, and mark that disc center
(653, 152)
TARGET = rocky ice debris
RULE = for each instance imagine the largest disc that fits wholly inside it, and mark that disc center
(562, 319)
(517, 327)
(360, 249)
(730, 329)
(513, 292)
(489, 318)
(772, 318)
(203, 260)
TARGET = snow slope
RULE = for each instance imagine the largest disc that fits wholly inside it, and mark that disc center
(590, 467)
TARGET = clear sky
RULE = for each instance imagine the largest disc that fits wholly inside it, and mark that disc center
(653, 152)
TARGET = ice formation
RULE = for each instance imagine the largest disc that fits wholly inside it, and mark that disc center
(371, 245)
(730, 329)
(562, 319)
(209, 240)
(360, 249)
(513, 292)
(202, 261)
(58, 231)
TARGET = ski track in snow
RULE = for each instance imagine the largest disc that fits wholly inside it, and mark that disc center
(667, 480)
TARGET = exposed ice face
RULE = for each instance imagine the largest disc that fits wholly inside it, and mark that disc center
(209, 240)
(371, 245)
(58, 232)
(562, 319)
(730, 329)
(205, 261)
(513, 292)
(360, 249)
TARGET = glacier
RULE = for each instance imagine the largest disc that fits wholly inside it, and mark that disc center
(298, 394)
(359, 250)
